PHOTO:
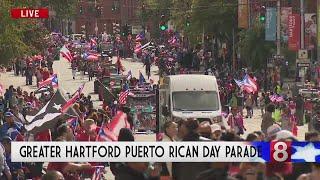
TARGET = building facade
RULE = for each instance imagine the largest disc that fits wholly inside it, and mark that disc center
(102, 15)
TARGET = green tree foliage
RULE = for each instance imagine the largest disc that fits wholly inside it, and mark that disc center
(254, 49)
(20, 37)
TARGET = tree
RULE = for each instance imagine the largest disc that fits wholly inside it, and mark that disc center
(254, 49)
(19, 37)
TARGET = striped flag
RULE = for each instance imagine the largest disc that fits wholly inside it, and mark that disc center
(106, 135)
(93, 42)
(140, 36)
(66, 54)
(118, 122)
(139, 48)
(123, 97)
(73, 99)
(53, 81)
(98, 173)
(251, 82)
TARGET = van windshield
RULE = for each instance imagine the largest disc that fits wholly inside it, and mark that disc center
(195, 101)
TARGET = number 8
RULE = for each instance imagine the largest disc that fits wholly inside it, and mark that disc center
(280, 151)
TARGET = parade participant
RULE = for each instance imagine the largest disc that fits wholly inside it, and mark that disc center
(15, 167)
(89, 131)
(9, 124)
(287, 121)
(235, 121)
(52, 175)
(189, 170)
(74, 70)
(4, 168)
(216, 132)
(45, 74)
(29, 74)
(69, 170)
(249, 105)
(267, 119)
(300, 109)
(170, 133)
(314, 174)
(262, 104)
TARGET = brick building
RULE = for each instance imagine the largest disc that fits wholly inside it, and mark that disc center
(111, 11)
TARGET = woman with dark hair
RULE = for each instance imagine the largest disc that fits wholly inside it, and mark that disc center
(189, 170)
(125, 135)
(170, 131)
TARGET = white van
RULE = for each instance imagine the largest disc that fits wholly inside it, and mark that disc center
(189, 96)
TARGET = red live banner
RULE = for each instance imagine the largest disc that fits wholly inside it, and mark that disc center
(294, 32)
(29, 13)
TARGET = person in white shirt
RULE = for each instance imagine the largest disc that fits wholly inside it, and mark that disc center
(170, 134)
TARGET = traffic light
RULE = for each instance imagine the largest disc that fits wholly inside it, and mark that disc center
(163, 25)
(81, 10)
(188, 23)
(113, 8)
(262, 17)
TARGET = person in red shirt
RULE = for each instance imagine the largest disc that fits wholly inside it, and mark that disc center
(89, 133)
(45, 74)
(69, 170)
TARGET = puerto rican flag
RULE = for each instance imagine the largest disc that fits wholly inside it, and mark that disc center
(66, 54)
(140, 36)
(93, 42)
(73, 99)
(98, 173)
(106, 135)
(251, 82)
(139, 48)
(53, 81)
(118, 122)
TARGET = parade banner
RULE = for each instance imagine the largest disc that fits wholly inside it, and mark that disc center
(310, 30)
(271, 24)
(243, 14)
(193, 151)
(285, 12)
(294, 32)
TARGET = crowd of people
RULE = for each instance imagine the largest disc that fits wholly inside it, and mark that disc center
(281, 114)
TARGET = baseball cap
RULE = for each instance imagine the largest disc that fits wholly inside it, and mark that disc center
(8, 114)
(215, 127)
(273, 130)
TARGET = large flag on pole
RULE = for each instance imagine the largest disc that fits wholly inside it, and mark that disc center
(46, 118)
(66, 54)
(118, 122)
(73, 99)
(139, 48)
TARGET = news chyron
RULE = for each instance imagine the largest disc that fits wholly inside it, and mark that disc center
(277, 151)
(17, 13)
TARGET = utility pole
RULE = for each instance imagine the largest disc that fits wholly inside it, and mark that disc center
(278, 27)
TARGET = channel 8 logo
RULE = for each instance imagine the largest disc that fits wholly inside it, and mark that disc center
(280, 151)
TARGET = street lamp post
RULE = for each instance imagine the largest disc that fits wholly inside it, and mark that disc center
(96, 19)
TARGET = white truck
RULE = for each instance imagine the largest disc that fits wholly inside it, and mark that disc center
(188, 96)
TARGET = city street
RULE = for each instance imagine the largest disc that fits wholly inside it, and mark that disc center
(67, 84)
